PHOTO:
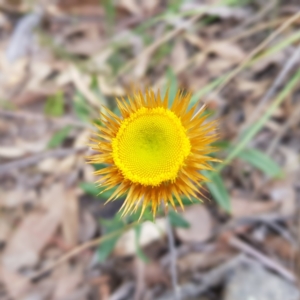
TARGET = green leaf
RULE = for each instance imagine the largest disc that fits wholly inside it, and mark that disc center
(235, 2)
(218, 189)
(55, 105)
(222, 145)
(254, 157)
(81, 108)
(147, 215)
(110, 14)
(59, 136)
(99, 166)
(174, 6)
(109, 226)
(261, 161)
(139, 251)
(177, 220)
(173, 85)
(186, 201)
(245, 139)
(92, 189)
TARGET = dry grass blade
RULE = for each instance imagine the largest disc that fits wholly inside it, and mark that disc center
(165, 38)
(260, 47)
(260, 123)
(292, 62)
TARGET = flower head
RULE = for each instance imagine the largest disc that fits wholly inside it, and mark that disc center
(153, 153)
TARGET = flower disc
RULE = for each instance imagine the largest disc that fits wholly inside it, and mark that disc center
(151, 146)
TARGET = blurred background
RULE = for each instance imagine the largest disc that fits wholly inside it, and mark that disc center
(61, 60)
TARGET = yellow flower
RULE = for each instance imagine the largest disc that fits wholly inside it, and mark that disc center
(153, 153)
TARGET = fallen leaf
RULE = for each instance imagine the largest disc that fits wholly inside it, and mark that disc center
(283, 192)
(130, 5)
(179, 56)
(148, 275)
(21, 40)
(200, 224)
(241, 207)
(66, 164)
(82, 139)
(16, 285)
(88, 226)
(227, 50)
(218, 65)
(11, 152)
(150, 6)
(31, 236)
(67, 283)
(155, 274)
(14, 198)
(108, 89)
(202, 260)
(48, 165)
(5, 229)
(34, 232)
(88, 173)
(281, 247)
(53, 165)
(291, 159)
(82, 83)
(141, 66)
(70, 222)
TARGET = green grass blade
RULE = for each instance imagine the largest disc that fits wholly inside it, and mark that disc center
(261, 122)
(218, 190)
(261, 161)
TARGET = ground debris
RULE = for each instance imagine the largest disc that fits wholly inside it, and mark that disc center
(255, 282)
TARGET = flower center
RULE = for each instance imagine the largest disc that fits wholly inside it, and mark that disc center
(151, 146)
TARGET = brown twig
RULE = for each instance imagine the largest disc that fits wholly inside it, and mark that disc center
(210, 279)
(173, 263)
(79, 249)
(263, 259)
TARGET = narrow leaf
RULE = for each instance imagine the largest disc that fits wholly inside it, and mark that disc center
(261, 161)
(177, 220)
(93, 190)
(55, 105)
(218, 189)
(139, 251)
(59, 136)
(109, 226)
